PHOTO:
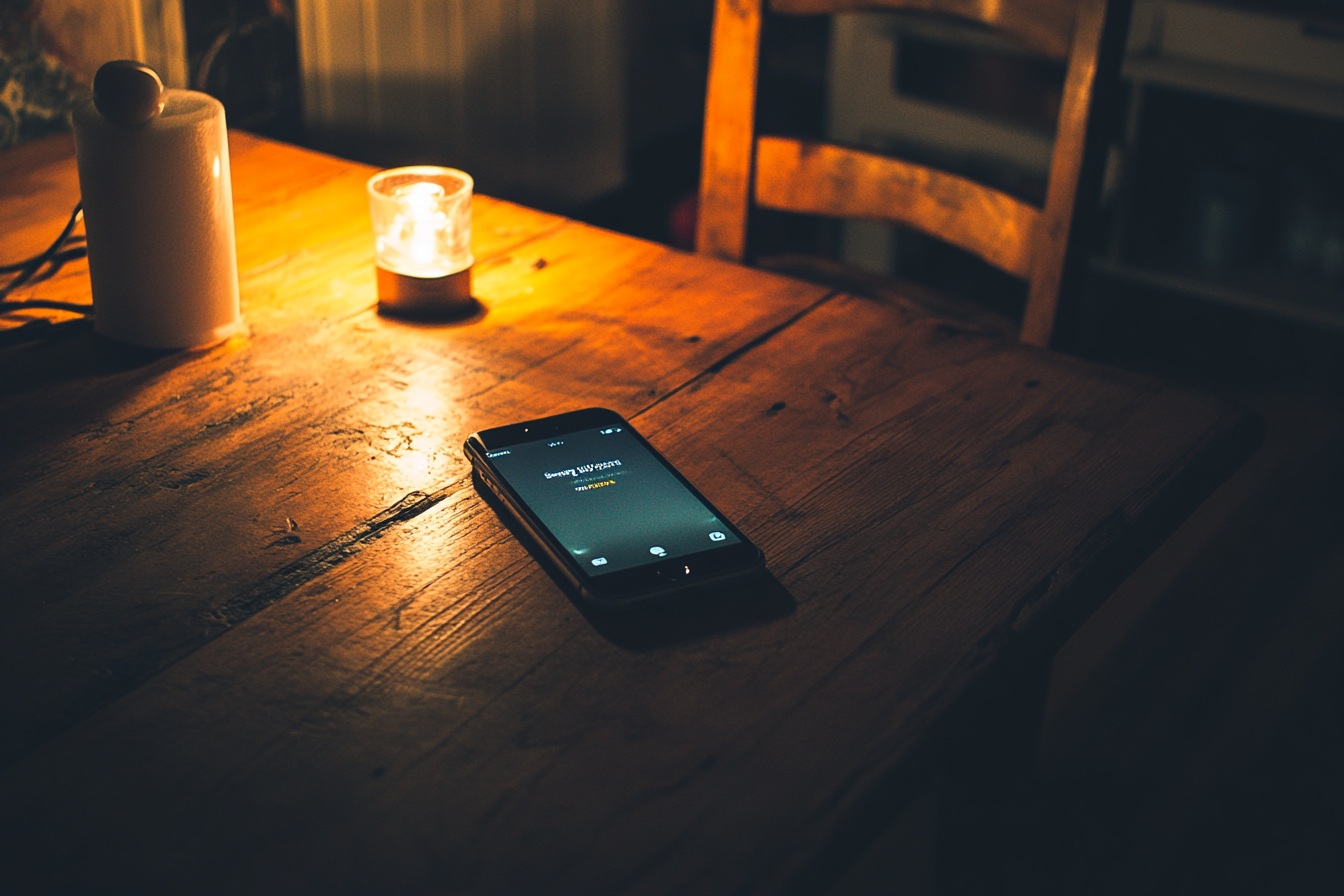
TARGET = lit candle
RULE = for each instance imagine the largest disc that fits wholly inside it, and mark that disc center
(422, 232)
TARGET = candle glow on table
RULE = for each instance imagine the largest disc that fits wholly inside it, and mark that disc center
(422, 234)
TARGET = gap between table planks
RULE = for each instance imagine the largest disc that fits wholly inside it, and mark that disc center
(435, 714)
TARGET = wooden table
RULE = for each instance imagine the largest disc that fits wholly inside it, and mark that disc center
(259, 631)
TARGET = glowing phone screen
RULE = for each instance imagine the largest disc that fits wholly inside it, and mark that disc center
(608, 501)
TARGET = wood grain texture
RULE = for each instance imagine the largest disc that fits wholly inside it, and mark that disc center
(261, 633)
(436, 708)
(154, 488)
(730, 102)
(822, 179)
(1041, 25)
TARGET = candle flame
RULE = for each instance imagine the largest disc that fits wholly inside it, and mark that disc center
(419, 204)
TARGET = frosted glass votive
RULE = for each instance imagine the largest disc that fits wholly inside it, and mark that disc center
(422, 236)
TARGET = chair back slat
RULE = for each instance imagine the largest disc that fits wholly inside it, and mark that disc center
(1044, 26)
(818, 178)
(822, 179)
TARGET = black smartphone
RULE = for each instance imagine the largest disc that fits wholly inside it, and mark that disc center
(618, 520)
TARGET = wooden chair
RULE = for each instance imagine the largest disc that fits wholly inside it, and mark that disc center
(824, 179)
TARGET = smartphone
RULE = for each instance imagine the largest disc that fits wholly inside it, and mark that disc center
(623, 526)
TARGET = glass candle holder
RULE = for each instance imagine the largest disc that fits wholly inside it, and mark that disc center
(422, 234)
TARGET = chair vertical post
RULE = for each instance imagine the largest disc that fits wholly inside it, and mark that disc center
(727, 152)
(1066, 161)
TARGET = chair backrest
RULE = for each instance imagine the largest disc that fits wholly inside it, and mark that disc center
(824, 179)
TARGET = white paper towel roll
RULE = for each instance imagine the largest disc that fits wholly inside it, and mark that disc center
(158, 212)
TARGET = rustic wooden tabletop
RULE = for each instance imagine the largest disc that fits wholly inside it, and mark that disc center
(259, 631)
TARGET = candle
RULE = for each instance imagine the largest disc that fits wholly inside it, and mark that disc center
(422, 235)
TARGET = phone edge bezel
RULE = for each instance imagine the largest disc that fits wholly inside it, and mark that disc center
(546, 541)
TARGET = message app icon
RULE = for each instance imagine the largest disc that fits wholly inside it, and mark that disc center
(657, 551)
(717, 536)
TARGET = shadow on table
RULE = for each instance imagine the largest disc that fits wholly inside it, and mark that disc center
(31, 357)
(435, 320)
(689, 617)
(81, 376)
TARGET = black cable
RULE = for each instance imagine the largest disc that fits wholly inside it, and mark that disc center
(20, 265)
(17, 304)
(54, 256)
(46, 253)
(58, 261)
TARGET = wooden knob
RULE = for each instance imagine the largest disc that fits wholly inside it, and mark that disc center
(127, 93)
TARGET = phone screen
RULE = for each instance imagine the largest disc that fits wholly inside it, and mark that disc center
(609, 502)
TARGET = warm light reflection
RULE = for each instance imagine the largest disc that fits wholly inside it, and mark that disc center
(405, 436)
(422, 220)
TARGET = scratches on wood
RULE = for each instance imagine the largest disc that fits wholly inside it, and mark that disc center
(324, 412)
(320, 561)
(285, 540)
(186, 479)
